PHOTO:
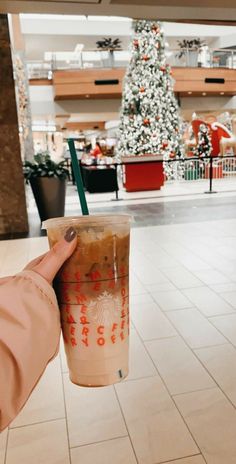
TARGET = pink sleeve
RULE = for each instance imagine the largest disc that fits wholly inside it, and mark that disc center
(29, 338)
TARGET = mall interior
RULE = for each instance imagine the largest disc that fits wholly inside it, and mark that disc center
(125, 110)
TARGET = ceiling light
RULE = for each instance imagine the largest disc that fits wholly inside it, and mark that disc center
(222, 93)
(87, 96)
(190, 93)
(204, 94)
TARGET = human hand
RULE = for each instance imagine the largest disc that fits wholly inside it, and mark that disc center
(48, 264)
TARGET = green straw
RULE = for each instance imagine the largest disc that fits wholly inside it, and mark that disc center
(78, 177)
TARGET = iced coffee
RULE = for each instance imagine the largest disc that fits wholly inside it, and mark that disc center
(93, 294)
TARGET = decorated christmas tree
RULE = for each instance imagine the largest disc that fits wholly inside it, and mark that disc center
(149, 122)
(204, 146)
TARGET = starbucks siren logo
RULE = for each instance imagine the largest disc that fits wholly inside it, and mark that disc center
(105, 309)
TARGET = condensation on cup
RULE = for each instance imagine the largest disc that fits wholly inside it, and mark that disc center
(93, 293)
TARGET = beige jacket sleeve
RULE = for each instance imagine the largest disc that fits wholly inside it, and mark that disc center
(29, 338)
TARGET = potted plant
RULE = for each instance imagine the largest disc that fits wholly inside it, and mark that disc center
(190, 49)
(110, 45)
(48, 183)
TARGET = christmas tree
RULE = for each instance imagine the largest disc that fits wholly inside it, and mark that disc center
(150, 122)
(204, 146)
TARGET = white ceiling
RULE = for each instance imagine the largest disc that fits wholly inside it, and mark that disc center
(170, 10)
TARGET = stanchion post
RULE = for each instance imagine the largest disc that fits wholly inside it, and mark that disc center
(211, 176)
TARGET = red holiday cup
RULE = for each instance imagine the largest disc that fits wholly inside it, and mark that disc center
(93, 294)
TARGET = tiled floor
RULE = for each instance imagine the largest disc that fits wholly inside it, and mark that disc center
(178, 404)
(176, 202)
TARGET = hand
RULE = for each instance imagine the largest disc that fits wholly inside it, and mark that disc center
(48, 264)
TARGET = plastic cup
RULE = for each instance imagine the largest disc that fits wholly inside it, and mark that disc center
(93, 294)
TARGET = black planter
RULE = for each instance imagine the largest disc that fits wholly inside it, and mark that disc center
(49, 194)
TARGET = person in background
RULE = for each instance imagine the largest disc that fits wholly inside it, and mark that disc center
(29, 327)
(96, 153)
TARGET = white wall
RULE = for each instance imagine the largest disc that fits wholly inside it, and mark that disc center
(42, 104)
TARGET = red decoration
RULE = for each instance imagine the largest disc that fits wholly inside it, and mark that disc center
(155, 28)
(142, 89)
(165, 143)
(136, 43)
(146, 121)
(172, 155)
(163, 68)
(145, 57)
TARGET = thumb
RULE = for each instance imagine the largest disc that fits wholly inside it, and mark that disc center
(59, 253)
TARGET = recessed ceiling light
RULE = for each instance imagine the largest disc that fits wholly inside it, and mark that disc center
(204, 94)
(190, 93)
(87, 96)
(222, 93)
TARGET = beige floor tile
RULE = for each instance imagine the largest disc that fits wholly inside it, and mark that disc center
(221, 363)
(93, 414)
(44, 443)
(149, 320)
(230, 297)
(147, 273)
(191, 460)
(178, 366)
(195, 328)
(169, 301)
(140, 299)
(194, 263)
(38, 246)
(181, 277)
(212, 276)
(64, 366)
(207, 301)
(156, 428)
(212, 421)
(221, 288)
(162, 287)
(17, 255)
(141, 364)
(227, 326)
(46, 401)
(160, 258)
(118, 451)
(135, 286)
(3, 443)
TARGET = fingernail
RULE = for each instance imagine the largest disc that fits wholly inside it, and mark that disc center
(70, 234)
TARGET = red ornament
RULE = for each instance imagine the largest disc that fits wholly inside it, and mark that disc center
(172, 155)
(145, 57)
(142, 89)
(136, 43)
(165, 143)
(163, 68)
(146, 122)
(155, 28)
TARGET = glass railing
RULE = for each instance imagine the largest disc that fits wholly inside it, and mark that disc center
(205, 58)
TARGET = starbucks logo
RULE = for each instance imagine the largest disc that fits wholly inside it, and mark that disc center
(105, 310)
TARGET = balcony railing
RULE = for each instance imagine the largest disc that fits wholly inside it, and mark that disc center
(91, 59)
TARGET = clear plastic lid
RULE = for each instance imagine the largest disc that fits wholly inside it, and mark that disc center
(93, 220)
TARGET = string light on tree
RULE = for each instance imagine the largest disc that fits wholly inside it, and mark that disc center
(149, 122)
(204, 146)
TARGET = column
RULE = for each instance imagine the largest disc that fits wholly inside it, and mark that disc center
(22, 89)
(13, 216)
